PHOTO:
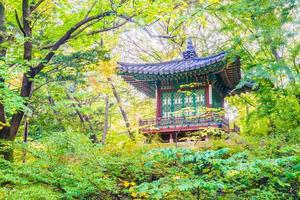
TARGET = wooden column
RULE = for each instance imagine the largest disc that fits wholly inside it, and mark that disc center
(208, 95)
(171, 138)
(158, 101)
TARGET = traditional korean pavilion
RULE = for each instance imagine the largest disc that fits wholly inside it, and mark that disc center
(182, 88)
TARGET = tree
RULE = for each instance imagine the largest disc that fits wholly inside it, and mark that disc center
(105, 129)
(40, 43)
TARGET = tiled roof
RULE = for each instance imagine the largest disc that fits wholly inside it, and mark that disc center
(143, 76)
(171, 67)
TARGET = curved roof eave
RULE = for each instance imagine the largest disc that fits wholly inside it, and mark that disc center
(170, 67)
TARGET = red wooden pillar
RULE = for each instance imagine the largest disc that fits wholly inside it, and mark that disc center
(158, 101)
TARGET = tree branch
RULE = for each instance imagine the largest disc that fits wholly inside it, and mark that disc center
(32, 8)
(90, 10)
(74, 35)
(77, 33)
(19, 23)
(130, 19)
(67, 36)
(107, 29)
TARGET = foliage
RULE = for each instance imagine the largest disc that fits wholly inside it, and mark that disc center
(67, 166)
(65, 103)
(214, 174)
(271, 111)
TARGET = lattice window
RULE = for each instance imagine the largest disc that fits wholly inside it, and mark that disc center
(199, 100)
(188, 104)
(178, 104)
(166, 104)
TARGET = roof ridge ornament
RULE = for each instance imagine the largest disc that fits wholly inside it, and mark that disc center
(190, 49)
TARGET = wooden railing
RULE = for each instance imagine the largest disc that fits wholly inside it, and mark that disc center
(205, 120)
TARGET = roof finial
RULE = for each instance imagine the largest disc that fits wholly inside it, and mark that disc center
(190, 50)
(189, 45)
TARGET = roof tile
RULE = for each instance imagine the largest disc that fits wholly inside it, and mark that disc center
(170, 67)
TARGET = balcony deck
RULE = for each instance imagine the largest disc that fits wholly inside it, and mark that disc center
(185, 124)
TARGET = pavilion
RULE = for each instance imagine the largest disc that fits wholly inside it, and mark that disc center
(182, 88)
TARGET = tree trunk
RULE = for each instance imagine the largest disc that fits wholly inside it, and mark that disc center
(122, 110)
(3, 131)
(5, 149)
(105, 129)
(2, 29)
(84, 119)
(27, 81)
(25, 136)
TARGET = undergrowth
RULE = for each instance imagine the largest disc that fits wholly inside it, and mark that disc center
(68, 166)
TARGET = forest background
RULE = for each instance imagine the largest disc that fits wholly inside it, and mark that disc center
(68, 123)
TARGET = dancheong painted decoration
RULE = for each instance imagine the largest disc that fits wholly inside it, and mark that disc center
(185, 91)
